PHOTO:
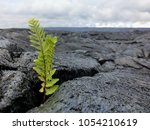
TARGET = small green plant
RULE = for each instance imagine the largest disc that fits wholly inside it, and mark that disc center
(44, 45)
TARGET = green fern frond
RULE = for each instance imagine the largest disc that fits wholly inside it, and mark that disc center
(44, 45)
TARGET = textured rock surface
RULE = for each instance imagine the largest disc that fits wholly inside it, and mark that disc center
(6, 61)
(98, 71)
(118, 91)
(70, 65)
(16, 95)
(127, 61)
(4, 42)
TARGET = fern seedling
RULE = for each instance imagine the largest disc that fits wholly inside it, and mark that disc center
(44, 45)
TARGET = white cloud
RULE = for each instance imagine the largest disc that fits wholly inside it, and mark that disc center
(101, 13)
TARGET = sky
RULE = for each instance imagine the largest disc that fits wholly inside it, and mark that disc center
(75, 13)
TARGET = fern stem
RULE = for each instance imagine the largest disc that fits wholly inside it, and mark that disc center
(40, 40)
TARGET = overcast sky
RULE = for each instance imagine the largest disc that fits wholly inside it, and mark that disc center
(76, 13)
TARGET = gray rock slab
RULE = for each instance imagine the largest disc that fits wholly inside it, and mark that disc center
(15, 93)
(70, 65)
(117, 91)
